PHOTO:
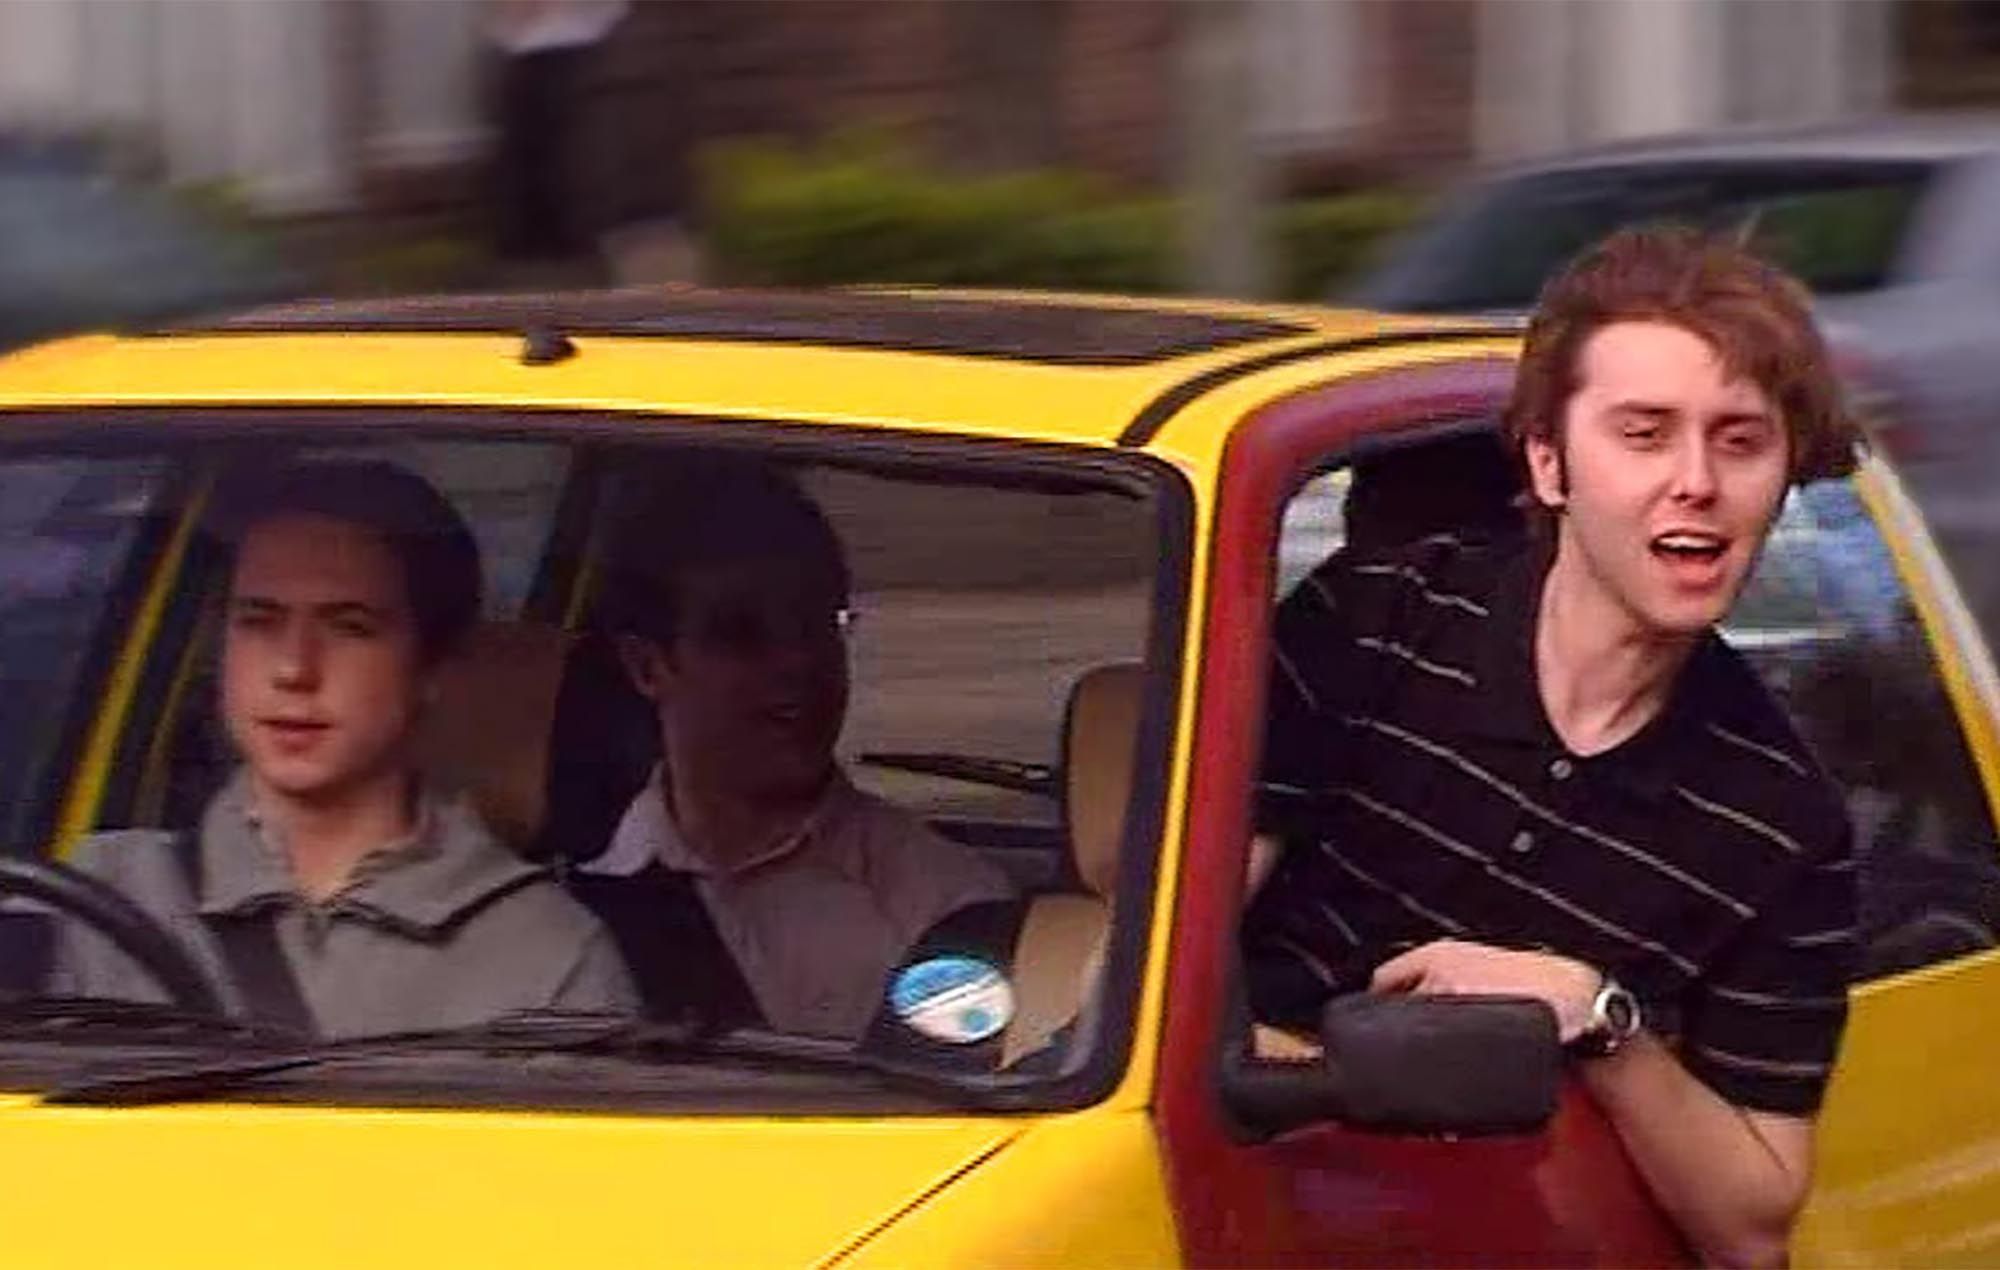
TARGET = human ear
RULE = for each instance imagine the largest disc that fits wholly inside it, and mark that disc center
(641, 659)
(1545, 473)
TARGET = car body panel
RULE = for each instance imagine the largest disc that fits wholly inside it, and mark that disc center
(1085, 1190)
(1903, 1179)
(239, 1185)
(880, 387)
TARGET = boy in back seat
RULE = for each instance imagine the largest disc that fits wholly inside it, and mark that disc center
(750, 882)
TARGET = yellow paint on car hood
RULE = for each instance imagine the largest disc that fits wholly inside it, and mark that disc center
(225, 1185)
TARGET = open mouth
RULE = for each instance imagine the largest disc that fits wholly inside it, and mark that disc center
(1689, 547)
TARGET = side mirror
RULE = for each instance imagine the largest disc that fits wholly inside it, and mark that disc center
(1410, 1064)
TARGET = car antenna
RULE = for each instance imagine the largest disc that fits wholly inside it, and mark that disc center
(544, 345)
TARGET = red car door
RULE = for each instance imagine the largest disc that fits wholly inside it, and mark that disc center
(1325, 1194)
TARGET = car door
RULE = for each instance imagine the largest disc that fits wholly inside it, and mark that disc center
(1853, 622)
(1902, 705)
(1322, 1193)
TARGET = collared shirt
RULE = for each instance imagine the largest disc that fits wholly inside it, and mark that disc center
(816, 921)
(1705, 862)
(445, 928)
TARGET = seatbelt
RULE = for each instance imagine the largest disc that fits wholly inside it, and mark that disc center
(670, 942)
(252, 957)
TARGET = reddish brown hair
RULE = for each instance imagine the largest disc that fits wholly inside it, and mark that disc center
(1755, 316)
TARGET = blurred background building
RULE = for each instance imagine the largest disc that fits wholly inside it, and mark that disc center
(384, 113)
(317, 104)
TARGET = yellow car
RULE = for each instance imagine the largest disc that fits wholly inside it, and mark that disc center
(1069, 519)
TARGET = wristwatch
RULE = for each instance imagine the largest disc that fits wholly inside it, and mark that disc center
(1614, 1020)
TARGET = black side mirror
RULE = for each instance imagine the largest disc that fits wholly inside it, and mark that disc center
(1462, 1065)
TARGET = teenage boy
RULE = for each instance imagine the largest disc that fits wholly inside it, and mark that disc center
(329, 888)
(750, 882)
(1539, 771)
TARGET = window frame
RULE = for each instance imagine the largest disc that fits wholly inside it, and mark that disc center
(884, 450)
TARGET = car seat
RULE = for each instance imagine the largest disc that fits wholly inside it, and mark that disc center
(1052, 944)
(539, 729)
(1059, 953)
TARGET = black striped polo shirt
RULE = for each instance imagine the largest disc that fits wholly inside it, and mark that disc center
(1411, 770)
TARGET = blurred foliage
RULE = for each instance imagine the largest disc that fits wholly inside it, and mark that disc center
(1322, 242)
(428, 262)
(1840, 239)
(860, 208)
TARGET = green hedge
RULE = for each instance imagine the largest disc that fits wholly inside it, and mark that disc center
(856, 210)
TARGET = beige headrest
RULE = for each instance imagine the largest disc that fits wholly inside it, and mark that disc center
(487, 731)
(1100, 737)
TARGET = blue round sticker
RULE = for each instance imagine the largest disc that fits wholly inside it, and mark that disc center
(957, 1000)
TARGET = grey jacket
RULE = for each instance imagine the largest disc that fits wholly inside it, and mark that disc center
(444, 930)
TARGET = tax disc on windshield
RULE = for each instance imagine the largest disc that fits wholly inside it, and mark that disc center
(954, 1000)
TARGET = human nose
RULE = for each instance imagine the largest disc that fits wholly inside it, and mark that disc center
(298, 658)
(1694, 470)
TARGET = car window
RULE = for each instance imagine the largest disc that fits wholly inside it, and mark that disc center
(507, 492)
(975, 627)
(69, 532)
(1838, 227)
(981, 599)
(1830, 628)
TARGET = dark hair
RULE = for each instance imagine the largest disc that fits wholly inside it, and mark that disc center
(692, 512)
(1756, 317)
(428, 537)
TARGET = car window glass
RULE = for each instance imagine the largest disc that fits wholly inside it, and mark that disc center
(68, 530)
(981, 603)
(1830, 626)
(1840, 239)
(975, 625)
(507, 491)
(1839, 228)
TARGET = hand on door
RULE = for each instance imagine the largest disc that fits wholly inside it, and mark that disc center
(1447, 967)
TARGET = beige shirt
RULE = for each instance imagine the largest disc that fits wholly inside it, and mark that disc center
(817, 922)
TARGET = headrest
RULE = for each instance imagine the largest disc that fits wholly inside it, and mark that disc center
(1100, 740)
(1466, 483)
(487, 732)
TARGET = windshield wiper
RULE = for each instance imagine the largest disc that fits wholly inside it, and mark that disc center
(612, 1036)
(973, 769)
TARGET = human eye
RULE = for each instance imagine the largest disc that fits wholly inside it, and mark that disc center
(252, 617)
(1747, 437)
(354, 623)
(1641, 430)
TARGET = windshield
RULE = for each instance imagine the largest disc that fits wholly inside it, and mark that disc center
(408, 740)
(1840, 228)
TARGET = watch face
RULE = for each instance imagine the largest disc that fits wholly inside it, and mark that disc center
(1621, 1012)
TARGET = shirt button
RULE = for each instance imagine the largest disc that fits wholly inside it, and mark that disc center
(1561, 769)
(1523, 843)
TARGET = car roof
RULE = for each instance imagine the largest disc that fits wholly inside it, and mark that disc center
(1048, 366)
(1888, 138)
